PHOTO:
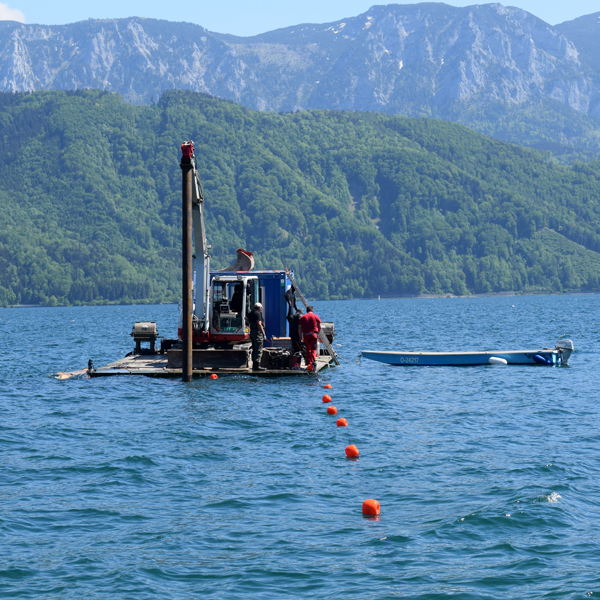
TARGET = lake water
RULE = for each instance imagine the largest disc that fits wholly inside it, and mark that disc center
(239, 488)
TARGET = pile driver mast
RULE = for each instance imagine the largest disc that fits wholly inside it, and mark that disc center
(202, 284)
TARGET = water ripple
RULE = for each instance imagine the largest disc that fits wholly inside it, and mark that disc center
(239, 488)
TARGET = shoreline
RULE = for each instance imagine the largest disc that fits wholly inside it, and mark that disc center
(384, 297)
(506, 294)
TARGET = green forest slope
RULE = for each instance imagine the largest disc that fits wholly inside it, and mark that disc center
(358, 204)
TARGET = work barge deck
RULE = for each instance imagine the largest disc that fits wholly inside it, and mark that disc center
(156, 365)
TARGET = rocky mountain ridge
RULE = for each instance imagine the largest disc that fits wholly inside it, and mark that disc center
(426, 59)
(585, 33)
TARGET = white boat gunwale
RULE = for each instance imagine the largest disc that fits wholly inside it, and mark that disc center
(479, 352)
(545, 356)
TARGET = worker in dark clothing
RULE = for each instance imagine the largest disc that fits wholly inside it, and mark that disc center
(309, 327)
(257, 334)
(297, 345)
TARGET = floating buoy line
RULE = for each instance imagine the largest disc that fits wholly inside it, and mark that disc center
(370, 507)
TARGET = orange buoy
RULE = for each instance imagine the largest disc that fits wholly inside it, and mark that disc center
(341, 423)
(370, 508)
(328, 387)
(331, 410)
(351, 451)
(214, 376)
(326, 398)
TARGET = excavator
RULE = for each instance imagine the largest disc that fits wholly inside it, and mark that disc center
(222, 299)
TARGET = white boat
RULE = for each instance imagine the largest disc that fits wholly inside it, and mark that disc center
(545, 356)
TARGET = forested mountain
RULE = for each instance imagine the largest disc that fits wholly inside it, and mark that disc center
(358, 204)
(497, 69)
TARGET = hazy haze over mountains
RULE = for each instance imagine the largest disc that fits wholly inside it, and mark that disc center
(475, 65)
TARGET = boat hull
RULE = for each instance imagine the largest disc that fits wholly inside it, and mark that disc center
(464, 359)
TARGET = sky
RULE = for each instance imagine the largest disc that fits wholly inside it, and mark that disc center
(247, 17)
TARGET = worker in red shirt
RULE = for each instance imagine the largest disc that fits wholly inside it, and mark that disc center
(308, 330)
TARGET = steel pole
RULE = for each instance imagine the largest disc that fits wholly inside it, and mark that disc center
(186, 214)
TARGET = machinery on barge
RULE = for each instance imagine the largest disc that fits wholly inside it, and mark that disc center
(213, 335)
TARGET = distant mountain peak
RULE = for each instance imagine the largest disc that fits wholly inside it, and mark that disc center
(427, 59)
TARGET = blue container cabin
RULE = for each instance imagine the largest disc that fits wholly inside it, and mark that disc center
(266, 287)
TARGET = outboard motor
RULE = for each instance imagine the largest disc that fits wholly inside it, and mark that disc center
(565, 347)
